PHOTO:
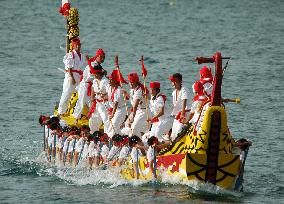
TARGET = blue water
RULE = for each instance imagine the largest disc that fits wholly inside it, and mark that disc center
(169, 34)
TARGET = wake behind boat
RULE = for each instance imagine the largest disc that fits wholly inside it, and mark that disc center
(97, 127)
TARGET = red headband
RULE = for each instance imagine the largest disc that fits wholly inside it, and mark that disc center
(155, 85)
(197, 87)
(75, 41)
(117, 76)
(100, 51)
(172, 78)
(205, 72)
(133, 77)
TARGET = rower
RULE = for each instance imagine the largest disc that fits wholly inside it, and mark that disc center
(73, 63)
(161, 120)
(84, 91)
(180, 104)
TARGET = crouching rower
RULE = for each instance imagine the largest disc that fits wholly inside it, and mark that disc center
(73, 64)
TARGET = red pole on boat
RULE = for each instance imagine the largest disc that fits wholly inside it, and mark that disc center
(216, 97)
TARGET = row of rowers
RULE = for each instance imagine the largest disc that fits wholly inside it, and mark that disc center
(107, 101)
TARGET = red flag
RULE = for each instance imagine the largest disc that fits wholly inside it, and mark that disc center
(144, 70)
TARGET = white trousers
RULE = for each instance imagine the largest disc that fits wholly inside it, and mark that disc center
(177, 127)
(98, 117)
(112, 127)
(161, 128)
(139, 124)
(68, 89)
(83, 99)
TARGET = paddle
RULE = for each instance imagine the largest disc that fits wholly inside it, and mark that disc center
(81, 152)
(66, 152)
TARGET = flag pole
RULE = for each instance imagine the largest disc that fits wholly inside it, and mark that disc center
(120, 81)
(144, 74)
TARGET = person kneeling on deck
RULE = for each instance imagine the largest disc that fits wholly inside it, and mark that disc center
(154, 147)
(180, 104)
(125, 150)
(80, 144)
(94, 149)
(137, 145)
(161, 120)
(117, 109)
(73, 63)
(98, 110)
(206, 80)
(84, 91)
(137, 120)
(195, 116)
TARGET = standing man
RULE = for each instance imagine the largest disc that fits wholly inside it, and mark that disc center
(117, 109)
(73, 63)
(161, 120)
(180, 104)
(84, 91)
(98, 110)
(137, 120)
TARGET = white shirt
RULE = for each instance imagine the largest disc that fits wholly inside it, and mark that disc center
(79, 145)
(150, 154)
(136, 94)
(100, 86)
(177, 100)
(72, 60)
(135, 154)
(123, 154)
(156, 106)
(113, 153)
(118, 97)
(105, 150)
(87, 76)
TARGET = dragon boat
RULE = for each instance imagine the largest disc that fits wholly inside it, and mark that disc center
(204, 154)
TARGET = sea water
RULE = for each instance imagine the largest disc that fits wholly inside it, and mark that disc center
(170, 34)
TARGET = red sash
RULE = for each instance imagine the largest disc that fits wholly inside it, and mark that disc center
(93, 107)
(89, 89)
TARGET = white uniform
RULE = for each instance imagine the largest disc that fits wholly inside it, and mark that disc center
(135, 154)
(113, 127)
(71, 60)
(94, 150)
(79, 145)
(124, 152)
(72, 145)
(140, 120)
(105, 151)
(113, 153)
(150, 154)
(195, 109)
(177, 108)
(83, 97)
(207, 85)
(52, 140)
(100, 114)
(160, 128)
